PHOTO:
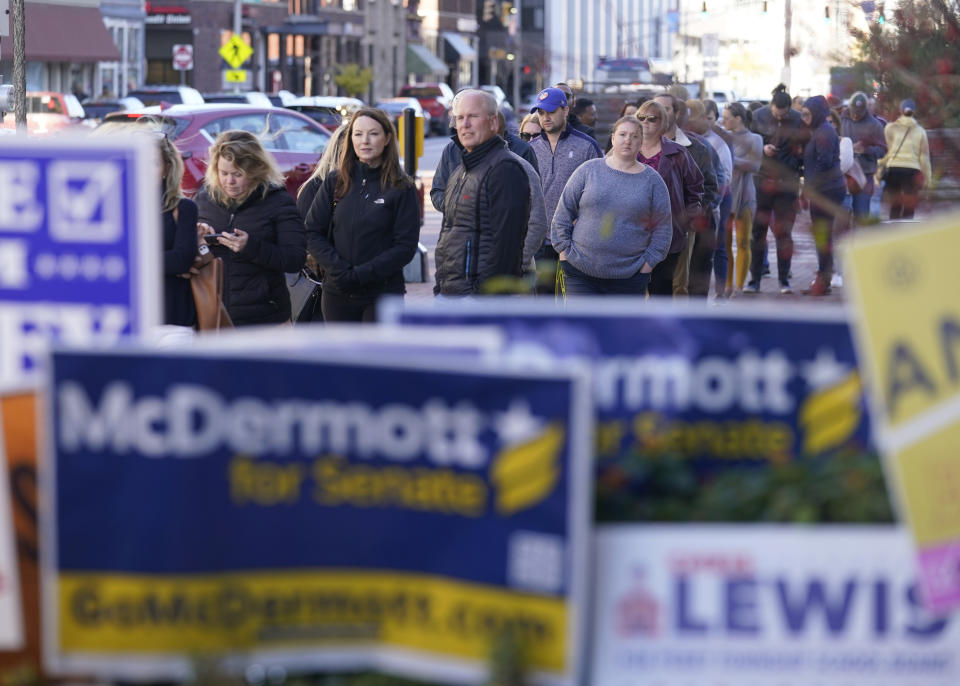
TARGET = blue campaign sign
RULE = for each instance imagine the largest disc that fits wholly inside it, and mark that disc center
(316, 514)
(79, 245)
(713, 386)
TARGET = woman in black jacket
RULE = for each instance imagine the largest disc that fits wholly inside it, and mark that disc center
(364, 223)
(179, 248)
(259, 231)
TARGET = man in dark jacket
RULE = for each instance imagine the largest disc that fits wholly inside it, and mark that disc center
(778, 183)
(450, 158)
(869, 145)
(486, 204)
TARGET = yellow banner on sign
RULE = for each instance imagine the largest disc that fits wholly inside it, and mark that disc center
(904, 282)
(235, 51)
(235, 75)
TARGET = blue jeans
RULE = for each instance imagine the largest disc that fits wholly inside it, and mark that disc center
(861, 200)
(578, 283)
(720, 254)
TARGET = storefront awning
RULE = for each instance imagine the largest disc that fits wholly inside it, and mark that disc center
(422, 62)
(460, 47)
(63, 33)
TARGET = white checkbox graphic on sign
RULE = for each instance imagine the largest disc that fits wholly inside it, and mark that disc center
(85, 201)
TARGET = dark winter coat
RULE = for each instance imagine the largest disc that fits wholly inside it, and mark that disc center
(869, 131)
(486, 209)
(685, 184)
(255, 286)
(780, 173)
(179, 249)
(821, 157)
(363, 241)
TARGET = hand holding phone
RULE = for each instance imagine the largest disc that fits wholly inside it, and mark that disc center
(211, 238)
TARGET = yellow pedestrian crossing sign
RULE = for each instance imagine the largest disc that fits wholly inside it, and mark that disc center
(236, 51)
(235, 75)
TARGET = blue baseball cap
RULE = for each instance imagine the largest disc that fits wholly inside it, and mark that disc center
(549, 100)
(907, 105)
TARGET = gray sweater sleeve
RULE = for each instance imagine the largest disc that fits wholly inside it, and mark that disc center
(568, 210)
(537, 225)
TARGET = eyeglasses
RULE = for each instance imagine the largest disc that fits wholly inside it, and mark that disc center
(652, 118)
(528, 136)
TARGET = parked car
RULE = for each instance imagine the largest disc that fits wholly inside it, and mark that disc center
(294, 140)
(435, 98)
(328, 111)
(394, 107)
(281, 98)
(95, 110)
(241, 97)
(172, 95)
(48, 113)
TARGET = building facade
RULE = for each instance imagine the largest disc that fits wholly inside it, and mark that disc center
(64, 42)
(449, 30)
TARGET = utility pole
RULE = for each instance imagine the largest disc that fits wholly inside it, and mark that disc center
(237, 21)
(787, 49)
(517, 54)
(19, 65)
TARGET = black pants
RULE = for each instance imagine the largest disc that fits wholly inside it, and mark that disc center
(341, 308)
(776, 210)
(902, 191)
(701, 260)
(546, 256)
(661, 278)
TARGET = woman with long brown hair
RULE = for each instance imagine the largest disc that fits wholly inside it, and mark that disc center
(258, 230)
(364, 224)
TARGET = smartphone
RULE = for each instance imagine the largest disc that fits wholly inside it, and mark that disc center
(211, 238)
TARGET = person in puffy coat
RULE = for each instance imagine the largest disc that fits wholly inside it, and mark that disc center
(364, 223)
(260, 233)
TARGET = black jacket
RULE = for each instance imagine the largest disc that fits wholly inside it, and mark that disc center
(179, 249)
(486, 209)
(255, 287)
(789, 136)
(364, 240)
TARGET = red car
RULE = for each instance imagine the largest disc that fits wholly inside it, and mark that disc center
(295, 141)
(435, 99)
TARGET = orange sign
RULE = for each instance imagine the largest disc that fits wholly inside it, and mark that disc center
(18, 413)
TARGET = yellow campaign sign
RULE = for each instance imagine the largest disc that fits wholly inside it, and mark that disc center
(235, 51)
(236, 75)
(904, 284)
(929, 474)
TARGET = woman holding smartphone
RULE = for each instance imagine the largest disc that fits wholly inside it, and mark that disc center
(253, 224)
(364, 223)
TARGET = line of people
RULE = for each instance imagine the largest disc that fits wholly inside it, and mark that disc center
(728, 186)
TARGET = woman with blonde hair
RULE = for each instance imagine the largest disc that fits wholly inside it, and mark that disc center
(364, 224)
(530, 127)
(329, 161)
(253, 223)
(179, 245)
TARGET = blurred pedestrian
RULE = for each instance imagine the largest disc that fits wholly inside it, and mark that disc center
(869, 145)
(259, 232)
(364, 224)
(778, 183)
(486, 206)
(179, 248)
(329, 161)
(717, 132)
(572, 116)
(613, 223)
(907, 162)
(695, 262)
(586, 112)
(684, 185)
(747, 157)
(823, 186)
(530, 127)
(560, 149)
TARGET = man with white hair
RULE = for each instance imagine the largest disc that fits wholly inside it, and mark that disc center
(486, 204)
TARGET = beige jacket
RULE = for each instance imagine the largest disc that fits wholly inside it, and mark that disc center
(914, 153)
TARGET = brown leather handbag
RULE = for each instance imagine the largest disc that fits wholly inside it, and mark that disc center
(207, 286)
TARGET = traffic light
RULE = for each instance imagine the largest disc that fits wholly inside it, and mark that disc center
(489, 10)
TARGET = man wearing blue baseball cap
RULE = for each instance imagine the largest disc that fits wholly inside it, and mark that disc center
(560, 149)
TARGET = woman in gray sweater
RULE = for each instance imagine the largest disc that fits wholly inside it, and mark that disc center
(747, 156)
(613, 224)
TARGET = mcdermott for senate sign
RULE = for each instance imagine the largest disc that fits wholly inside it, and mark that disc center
(313, 514)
